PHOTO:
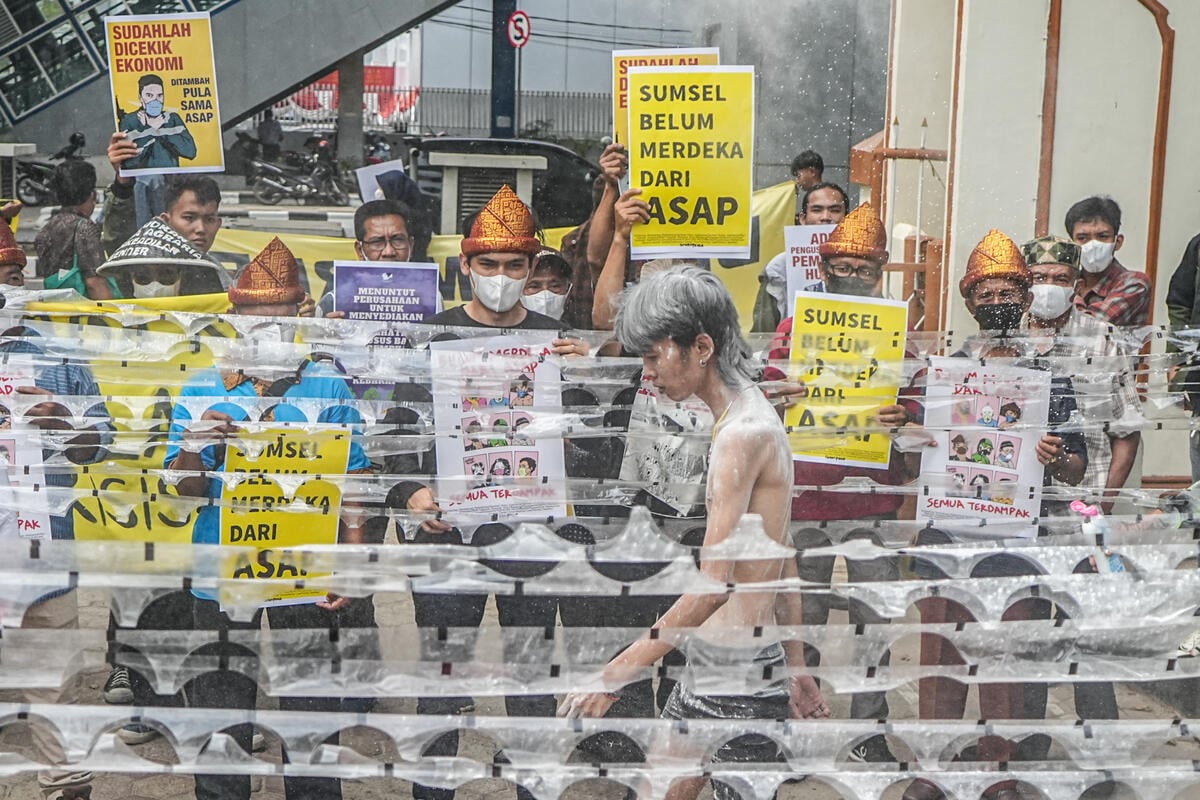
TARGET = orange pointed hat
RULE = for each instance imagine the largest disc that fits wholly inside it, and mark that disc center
(997, 256)
(504, 225)
(860, 234)
(10, 251)
(271, 277)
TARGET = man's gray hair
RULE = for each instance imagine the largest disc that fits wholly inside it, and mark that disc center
(680, 304)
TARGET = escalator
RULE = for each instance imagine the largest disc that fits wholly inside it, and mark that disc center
(52, 61)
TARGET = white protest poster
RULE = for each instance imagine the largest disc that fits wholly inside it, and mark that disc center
(489, 395)
(20, 458)
(666, 450)
(803, 267)
(987, 420)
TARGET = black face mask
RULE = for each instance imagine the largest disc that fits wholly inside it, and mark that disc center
(999, 316)
(848, 285)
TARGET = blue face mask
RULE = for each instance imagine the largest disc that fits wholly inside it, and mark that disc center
(154, 108)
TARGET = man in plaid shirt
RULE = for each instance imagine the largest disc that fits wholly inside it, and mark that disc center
(1105, 287)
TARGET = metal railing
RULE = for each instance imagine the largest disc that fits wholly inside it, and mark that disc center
(455, 112)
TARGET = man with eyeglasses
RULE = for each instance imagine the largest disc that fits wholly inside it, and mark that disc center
(380, 234)
(852, 260)
(823, 204)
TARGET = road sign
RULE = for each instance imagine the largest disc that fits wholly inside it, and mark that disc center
(519, 29)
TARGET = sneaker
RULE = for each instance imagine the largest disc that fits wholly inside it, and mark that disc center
(118, 691)
(1189, 647)
(874, 750)
(258, 743)
(136, 733)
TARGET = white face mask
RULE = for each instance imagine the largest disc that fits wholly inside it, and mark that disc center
(1049, 301)
(546, 302)
(1096, 255)
(498, 293)
(155, 289)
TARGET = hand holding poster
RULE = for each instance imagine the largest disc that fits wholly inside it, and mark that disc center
(256, 511)
(164, 89)
(851, 352)
(803, 267)
(691, 151)
(624, 60)
(490, 394)
(386, 292)
(987, 420)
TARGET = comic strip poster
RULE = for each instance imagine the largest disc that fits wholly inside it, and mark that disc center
(849, 353)
(261, 511)
(489, 396)
(21, 515)
(164, 90)
(987, 420)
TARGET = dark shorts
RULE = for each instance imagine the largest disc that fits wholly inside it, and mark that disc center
(750, 748)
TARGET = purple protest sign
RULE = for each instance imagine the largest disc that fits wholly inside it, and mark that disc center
(386, 292)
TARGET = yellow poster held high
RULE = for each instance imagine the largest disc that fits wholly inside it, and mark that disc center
(271, 514)
(164, 88)
(691, 152)
(849, 353)
(625, 60)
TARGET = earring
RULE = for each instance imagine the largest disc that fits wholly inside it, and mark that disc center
(704, 362)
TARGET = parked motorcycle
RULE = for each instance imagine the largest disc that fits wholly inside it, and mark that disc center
(33, 177)
(376, 148)
(314, 180)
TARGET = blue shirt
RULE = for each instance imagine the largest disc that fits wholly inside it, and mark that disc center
(319, 380)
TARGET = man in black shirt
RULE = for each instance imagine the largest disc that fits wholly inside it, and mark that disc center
(497, 259)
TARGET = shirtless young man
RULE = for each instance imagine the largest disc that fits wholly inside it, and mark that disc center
(684, 324)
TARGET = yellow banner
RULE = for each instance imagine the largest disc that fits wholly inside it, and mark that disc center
(772, 209)
(691, 151)
(849, 354)
(261, 513)
(164, 90)
(624, 60)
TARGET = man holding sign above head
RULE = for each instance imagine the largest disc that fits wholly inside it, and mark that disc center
(852, 260)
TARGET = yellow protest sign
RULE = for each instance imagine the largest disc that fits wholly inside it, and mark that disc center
(164, 89)
(849, 353)
(263, 513)
(624, 60)
(691, 151)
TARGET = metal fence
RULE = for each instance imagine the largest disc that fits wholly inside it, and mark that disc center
(455, 112)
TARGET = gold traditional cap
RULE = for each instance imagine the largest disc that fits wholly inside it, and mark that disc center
(271, 277)
(10, 251)
(504, 225)
(996, 256)
(860, 234)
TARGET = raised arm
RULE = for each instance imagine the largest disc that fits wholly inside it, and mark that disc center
(630, 209)
(613, 164)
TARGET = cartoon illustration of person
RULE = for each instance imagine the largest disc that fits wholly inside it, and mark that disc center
(522, 392)
(983, 452)
(1010, 415)
(959, 484)
(964, 412)
(520, 424)
(526, 467)
(958, 448)
(472, 439)
(501, 468)
(980, 480)
(500, 431)
(161, 137)
(987, 416)
(1006, 456)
